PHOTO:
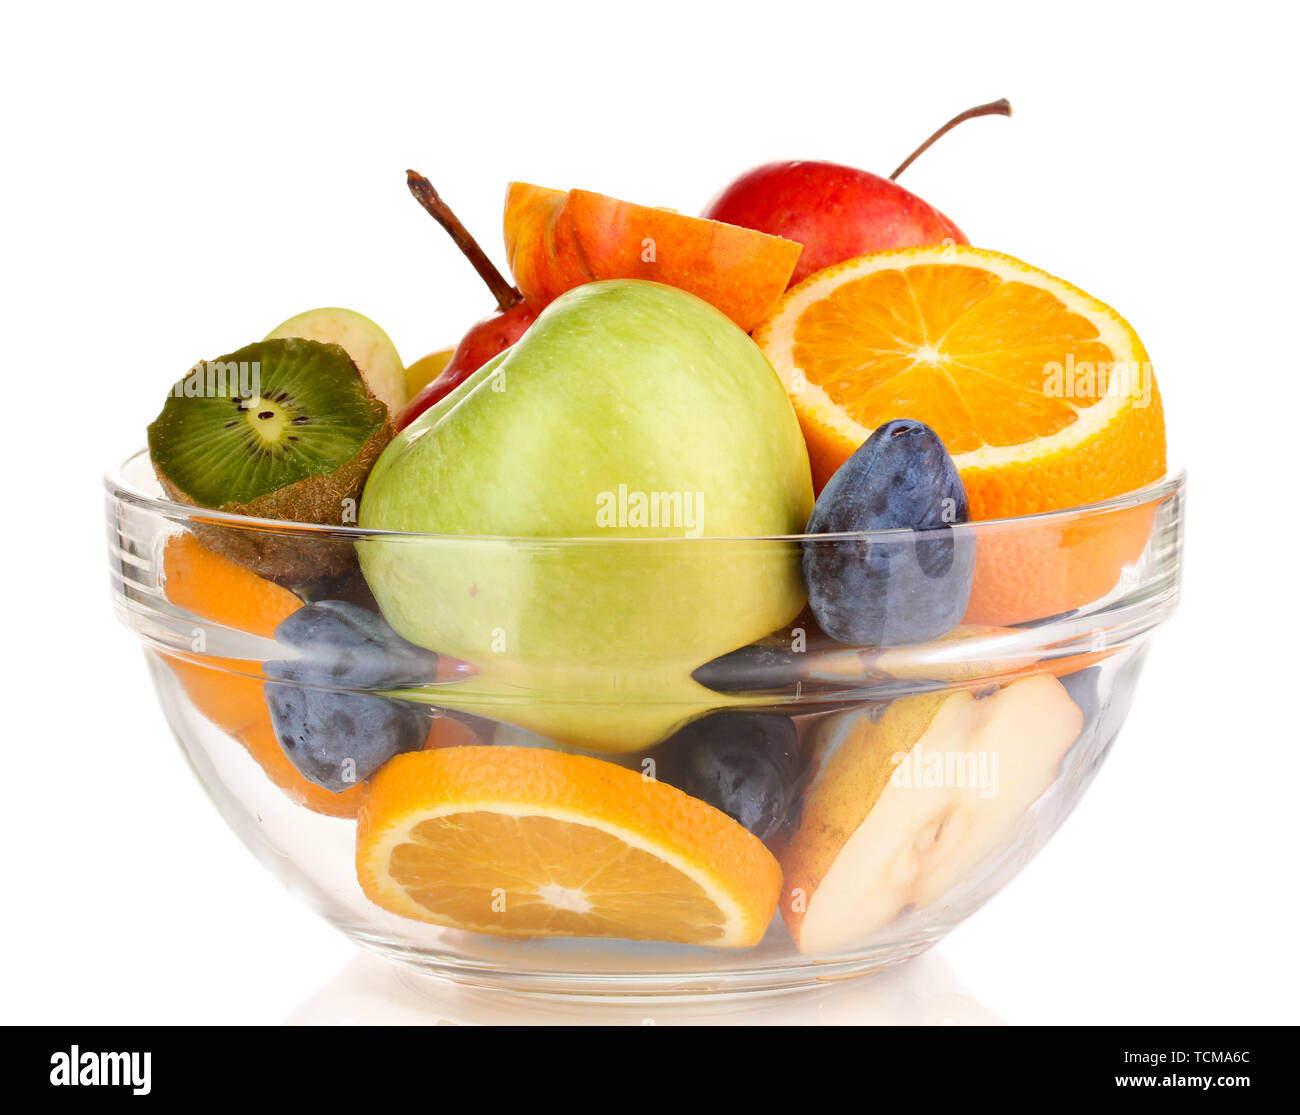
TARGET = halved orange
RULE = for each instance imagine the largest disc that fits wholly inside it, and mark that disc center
(1043, 395)
(525, 841)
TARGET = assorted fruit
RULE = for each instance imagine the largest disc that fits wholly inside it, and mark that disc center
(797, 405)
(967, 337)
(982, 348)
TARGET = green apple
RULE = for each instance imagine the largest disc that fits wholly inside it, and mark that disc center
(369, 346)
(600, 710)
(634, 416)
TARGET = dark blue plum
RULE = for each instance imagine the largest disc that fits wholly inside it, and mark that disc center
(352, 647)
(753, 668)
(334, 736)
(891, 591)
(822, 668)
(337, 739)
(744, 763)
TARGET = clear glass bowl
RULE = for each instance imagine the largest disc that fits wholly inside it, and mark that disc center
(605, 647)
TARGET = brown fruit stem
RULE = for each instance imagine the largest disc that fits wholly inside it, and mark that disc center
(423, 192)
(993, 108)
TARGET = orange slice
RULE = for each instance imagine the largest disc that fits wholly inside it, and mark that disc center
(529, 842)
(217, 589)
(226, 691)
(1043, 395)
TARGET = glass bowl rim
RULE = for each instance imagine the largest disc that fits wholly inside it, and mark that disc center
(118, 487)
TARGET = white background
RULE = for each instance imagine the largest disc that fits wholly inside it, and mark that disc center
(178, 179)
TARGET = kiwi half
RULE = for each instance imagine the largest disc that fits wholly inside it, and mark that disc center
(281, 429)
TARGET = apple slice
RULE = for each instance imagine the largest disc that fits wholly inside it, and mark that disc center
(906, 807)
(556, 241)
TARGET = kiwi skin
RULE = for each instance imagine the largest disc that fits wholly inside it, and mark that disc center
(289, 555)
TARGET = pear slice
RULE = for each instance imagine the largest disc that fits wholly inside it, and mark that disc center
(904, 807)
(368, 345)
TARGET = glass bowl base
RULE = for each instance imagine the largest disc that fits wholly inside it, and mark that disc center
(547, 976)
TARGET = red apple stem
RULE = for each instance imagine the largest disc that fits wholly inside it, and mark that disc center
(422, 190)
(1000, 107)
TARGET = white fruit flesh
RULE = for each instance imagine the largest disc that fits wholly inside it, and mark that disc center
(960, 784)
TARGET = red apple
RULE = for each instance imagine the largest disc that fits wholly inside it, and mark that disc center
(838, 212)
(485, 338)
(495, 333)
